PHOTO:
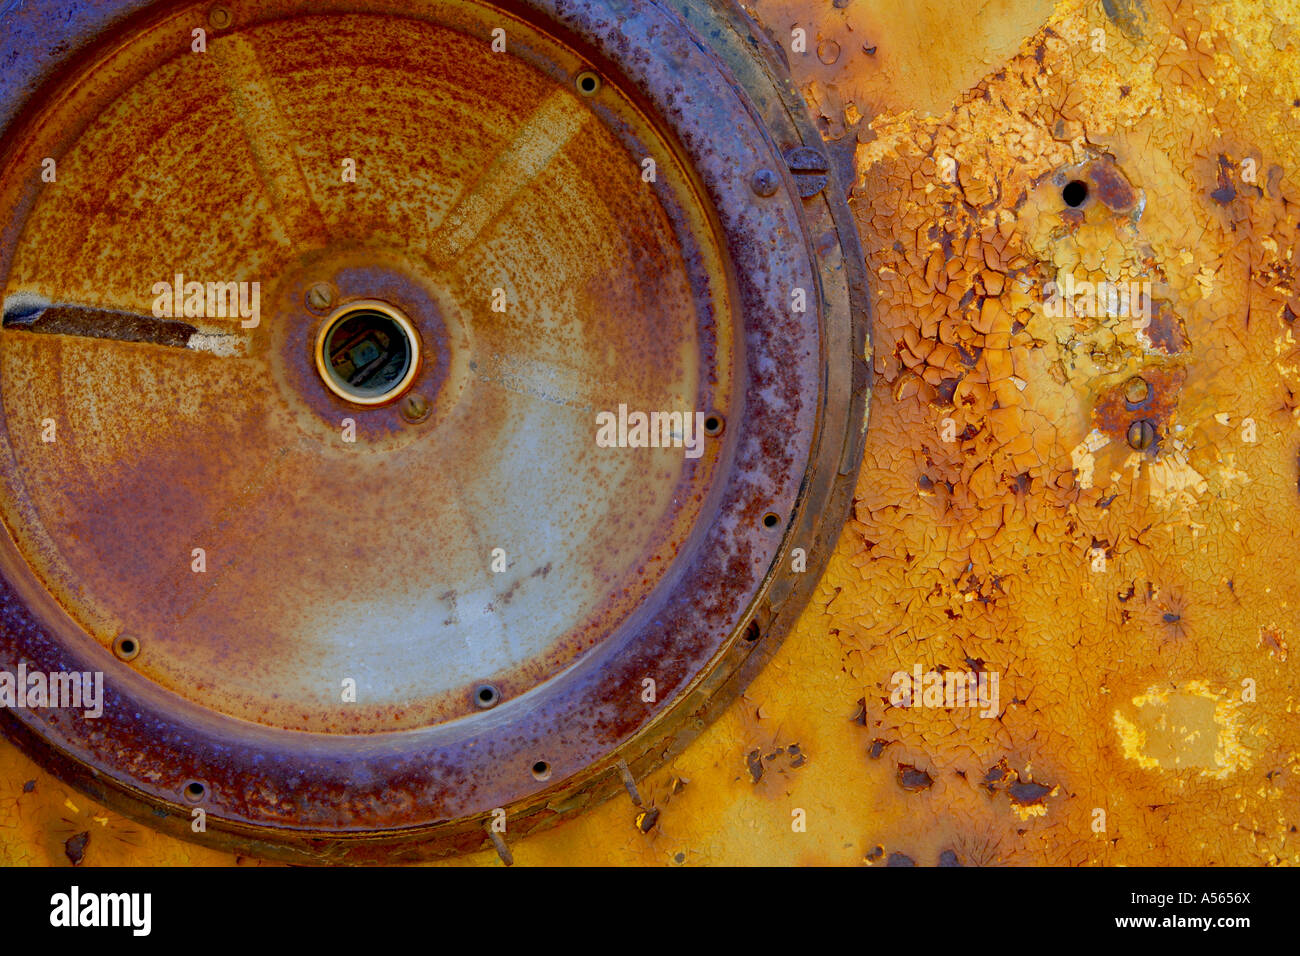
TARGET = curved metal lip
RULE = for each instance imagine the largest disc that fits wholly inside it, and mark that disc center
(305, 797)
(408, 331)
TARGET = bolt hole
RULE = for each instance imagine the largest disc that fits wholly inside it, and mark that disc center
(588, 83)
(771, 520)
(195, 791)
(1074, 193)
(542, 770)
(126, 647)
(752, 632)
(487, 696)
(713, 425)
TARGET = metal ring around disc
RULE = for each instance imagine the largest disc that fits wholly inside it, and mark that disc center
(318, 593)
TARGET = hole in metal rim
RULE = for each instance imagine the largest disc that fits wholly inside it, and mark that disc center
(542, 770)
(126, 647)
(485, 695)
(588, 83)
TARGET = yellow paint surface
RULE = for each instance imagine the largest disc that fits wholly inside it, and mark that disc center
(1137, 608)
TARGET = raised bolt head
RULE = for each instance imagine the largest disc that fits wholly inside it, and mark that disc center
(415, 409)
(765, 182)
(320, 297)
(1141, 434)
(1136, 390)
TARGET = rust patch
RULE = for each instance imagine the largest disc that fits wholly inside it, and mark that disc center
(100, 323)
(75, 847)
(996, 775)
(1272, 639)
(647, 820)
(1111, 186)
(1027, 792)
(1113, 414)
(1128, 15)
(912, 779)
(780, 759)
(1167, 331)
(1226, 191)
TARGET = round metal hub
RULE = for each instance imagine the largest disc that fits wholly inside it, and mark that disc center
(591, 410)
(367, 353)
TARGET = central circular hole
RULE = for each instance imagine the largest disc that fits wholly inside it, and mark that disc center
(367, 353)
(1074, 193)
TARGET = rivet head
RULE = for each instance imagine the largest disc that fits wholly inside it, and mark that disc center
(1136, 390)
(219, 17)
(765, 182)
(1141, 434)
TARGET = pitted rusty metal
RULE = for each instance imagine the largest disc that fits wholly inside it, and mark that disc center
(504, 211)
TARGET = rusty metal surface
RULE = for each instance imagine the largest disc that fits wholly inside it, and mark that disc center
(484, 179)
(1121, 737)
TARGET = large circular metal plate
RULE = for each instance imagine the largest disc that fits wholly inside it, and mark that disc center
(327, 334)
